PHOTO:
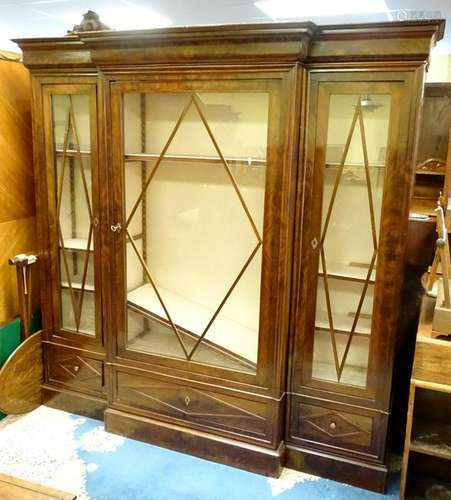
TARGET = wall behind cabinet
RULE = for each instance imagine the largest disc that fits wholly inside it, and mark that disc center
(17, 206)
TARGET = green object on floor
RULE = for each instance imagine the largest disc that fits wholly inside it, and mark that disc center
(10, 335)
(36, 321)
(9, 339)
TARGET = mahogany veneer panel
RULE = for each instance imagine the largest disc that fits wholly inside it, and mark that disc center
(219, 449)
(357, 473)
(73, 402)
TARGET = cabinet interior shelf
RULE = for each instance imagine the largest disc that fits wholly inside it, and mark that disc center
(343, 323)
(149, 157)
(352, 375)
(354, 165)
(320, 326)
(225, 333)
(73, 152)
(430, 172)
(78, 244)
(432, 438)
(424, 206)
(77, 286)
(349, 272)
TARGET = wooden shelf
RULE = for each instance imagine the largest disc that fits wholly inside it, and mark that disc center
(348, 272)
(429, 172)
(341, 332)
(427, 488)
(355, 165)
(413, 216)
(77, 286)
(343, 323)
(424, 206)
(163, 341)
(352, 375)
(225, 332)
(147, 157)
(73, 153)
(432, 438)
(78, 244)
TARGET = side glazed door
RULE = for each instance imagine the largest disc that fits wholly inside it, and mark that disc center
(72, 210)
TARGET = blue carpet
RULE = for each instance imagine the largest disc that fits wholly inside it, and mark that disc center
(74, 454)
(143, 471)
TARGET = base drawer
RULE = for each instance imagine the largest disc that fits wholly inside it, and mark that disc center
(184, 402)
(337, 428)
(75, 370)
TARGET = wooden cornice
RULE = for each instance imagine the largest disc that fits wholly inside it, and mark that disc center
(68, 51)
(268, 42)
(385, 41)
(224, 33)
(394, 29)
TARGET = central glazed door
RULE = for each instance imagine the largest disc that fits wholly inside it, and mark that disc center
(198, 172)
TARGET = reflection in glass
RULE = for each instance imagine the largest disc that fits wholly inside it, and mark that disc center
(195, 182)
(354, 173)
(73, 187)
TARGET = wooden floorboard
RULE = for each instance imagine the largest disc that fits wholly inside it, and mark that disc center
(14, 489)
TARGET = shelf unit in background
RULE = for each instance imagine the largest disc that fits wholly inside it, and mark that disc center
(427, 450)
(432, 172)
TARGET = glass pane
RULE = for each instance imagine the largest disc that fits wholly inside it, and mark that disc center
(357, 138)
(73, 187)
(195, 223)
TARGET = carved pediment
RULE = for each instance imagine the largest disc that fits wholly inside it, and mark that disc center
(91, 22)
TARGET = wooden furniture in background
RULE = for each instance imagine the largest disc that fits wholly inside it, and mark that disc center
(431, 178)
(17, 207)
(427, 452)
(175, 175)
(21, 378)
(432, 174)
(12, 488)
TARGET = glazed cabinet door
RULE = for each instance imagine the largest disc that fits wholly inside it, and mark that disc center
(70, 116)
(358, 184)
(198, 170)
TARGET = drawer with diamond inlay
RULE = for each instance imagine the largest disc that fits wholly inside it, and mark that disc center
(185, 403)
(75, 370)
(330, 426)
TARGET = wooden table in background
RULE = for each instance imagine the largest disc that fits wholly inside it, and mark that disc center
(18, 489)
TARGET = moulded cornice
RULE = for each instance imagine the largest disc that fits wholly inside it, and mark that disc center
(268, 42)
